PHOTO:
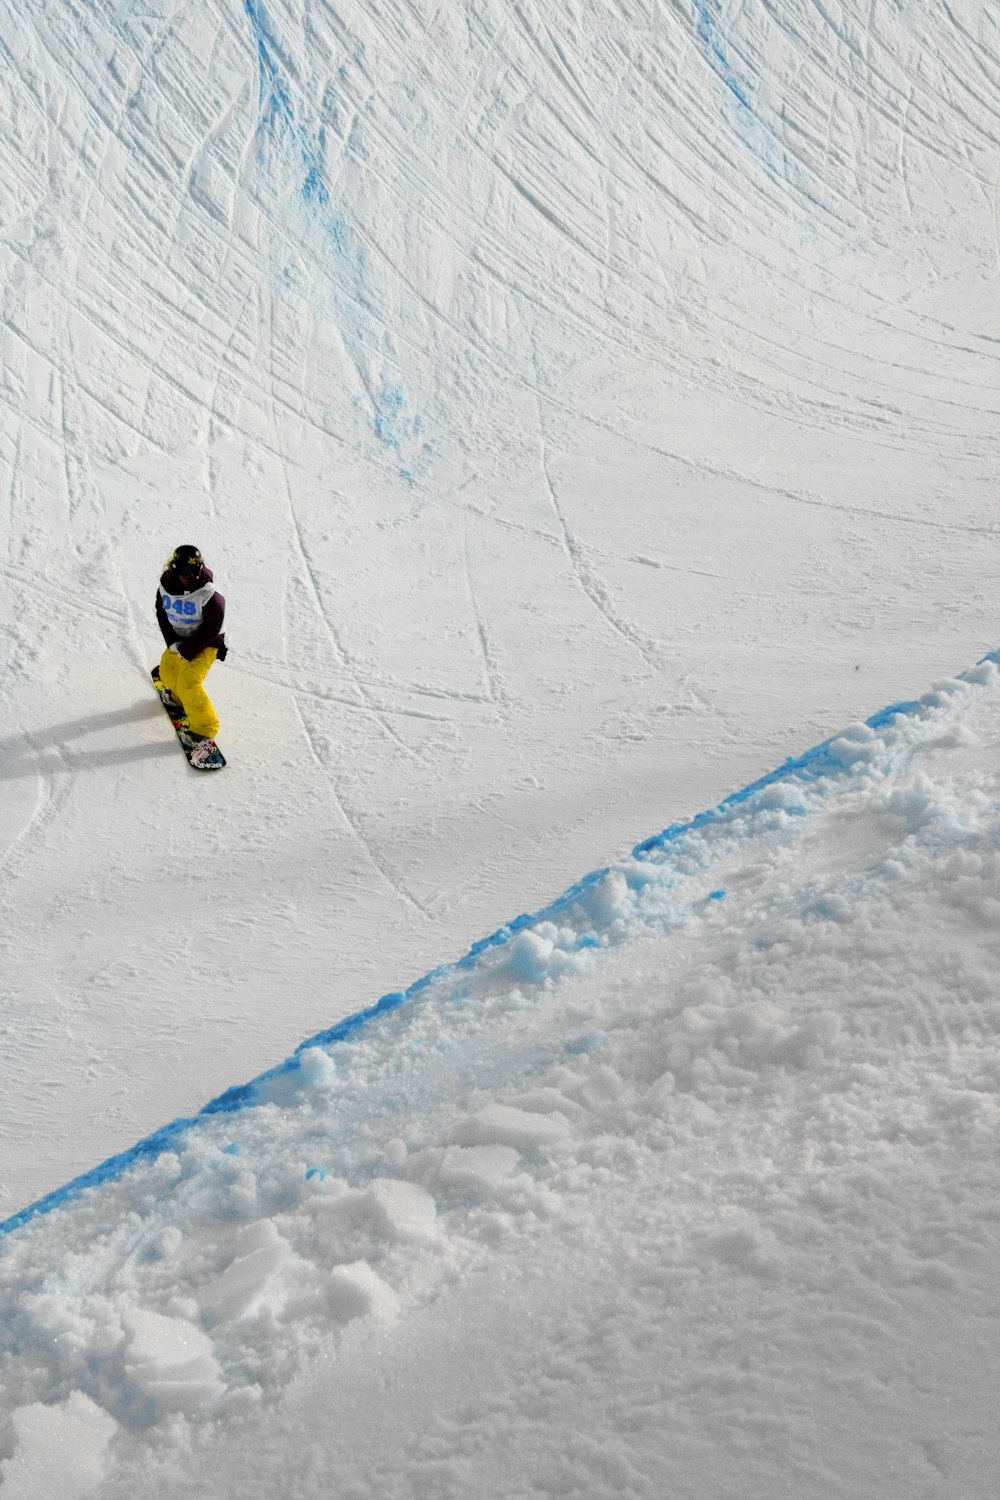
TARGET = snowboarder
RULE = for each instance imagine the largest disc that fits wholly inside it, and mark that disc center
(190, 612)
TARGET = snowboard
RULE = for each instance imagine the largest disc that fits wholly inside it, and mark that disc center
(204, 757)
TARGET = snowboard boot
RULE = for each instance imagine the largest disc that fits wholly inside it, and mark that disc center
(174, 706)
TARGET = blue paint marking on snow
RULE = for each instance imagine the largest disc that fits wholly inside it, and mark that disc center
(108, 1171)
(812, 766)
(314, 189)
(711, 40)
(389, 418)
(781, 165)
(583, 1046)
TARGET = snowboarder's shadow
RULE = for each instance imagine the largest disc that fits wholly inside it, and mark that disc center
(28, 753)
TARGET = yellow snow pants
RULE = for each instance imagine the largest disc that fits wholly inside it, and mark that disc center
(186, 680)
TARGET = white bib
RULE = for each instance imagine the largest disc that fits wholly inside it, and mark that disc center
(185, 611)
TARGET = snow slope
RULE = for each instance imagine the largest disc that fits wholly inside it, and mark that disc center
(583, 407)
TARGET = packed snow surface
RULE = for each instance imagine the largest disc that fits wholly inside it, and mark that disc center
(585, 408)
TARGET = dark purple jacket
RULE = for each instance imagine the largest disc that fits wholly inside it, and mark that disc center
(188, 603)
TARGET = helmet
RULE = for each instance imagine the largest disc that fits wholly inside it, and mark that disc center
(187, 561)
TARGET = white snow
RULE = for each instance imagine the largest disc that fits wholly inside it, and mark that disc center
(60, 1449)
(586, 409)
(171, 1362)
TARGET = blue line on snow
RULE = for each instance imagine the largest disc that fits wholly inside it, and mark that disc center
(780, 164)
(389, 419)
(808, 767)
(813, 765)
(708, 34)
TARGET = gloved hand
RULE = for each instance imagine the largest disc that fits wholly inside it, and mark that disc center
(176, 648)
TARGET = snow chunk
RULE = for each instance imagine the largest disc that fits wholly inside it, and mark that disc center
(60, 1449)
(252, 1279)
(386, 1212)
(502, 1125)
(746, 1247)
(941, 691)
(173, 1362)
(317, 1068)
(477, 1166)
(358, 1291)
(530, 956)
(786, 796)
(858, 743)
(546, 952)
(403, 1211)
(610, 900)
